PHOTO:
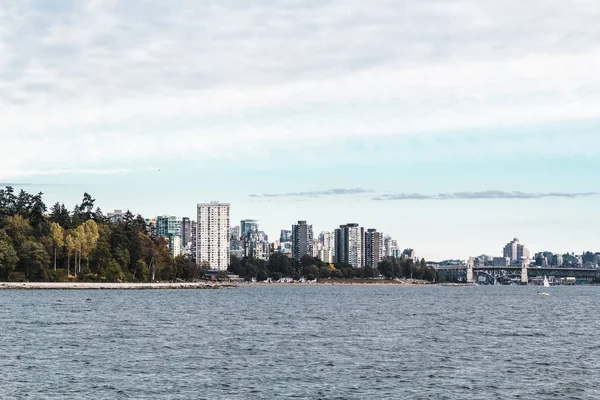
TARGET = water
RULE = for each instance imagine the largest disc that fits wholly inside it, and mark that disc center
(301, 342)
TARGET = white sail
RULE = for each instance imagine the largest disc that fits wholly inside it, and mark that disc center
(546, 283)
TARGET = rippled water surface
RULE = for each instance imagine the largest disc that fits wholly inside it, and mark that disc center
(325, 342)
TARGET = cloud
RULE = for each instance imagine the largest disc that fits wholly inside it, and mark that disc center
(121, 81)
(318, 193)
(489, 194)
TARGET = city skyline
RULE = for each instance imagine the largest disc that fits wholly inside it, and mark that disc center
(452, 140)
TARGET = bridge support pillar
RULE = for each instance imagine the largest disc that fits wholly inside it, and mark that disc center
(524, 276)
(470, 271)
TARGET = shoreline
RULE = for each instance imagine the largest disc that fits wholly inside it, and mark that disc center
(111, 286)
(200, 285)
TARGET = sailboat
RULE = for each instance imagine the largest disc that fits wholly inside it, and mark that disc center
(546, 283)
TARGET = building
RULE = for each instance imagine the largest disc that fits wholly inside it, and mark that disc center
(349, 245)
(175, 245)
(256, 245)
(168, 225)
(186, 232)
(515, 251)
(373, 248)
(285, 236)
(302, 240)
(116, 216)
(212, 242)
(326, 247)
(410, 254)
(501, 262)
(191, 252)
(247, 226)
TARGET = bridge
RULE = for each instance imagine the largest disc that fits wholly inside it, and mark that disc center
(489, 275)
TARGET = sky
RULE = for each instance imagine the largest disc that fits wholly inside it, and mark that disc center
(453, 125)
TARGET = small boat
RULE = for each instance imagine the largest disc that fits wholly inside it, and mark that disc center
(546, 283)
(543, 293)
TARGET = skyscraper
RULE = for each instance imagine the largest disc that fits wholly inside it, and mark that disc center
(186, 232)
(302, 240)
(515, 251)
(373, 247)
(349, 245)
(212, 241)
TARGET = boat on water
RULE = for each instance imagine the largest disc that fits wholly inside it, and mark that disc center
(543, 293)
(546, 282)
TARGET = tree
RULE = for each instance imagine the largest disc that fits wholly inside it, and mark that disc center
(89, 239)
(60, 215)
(57, 234)
(18, 229)
(307, 260)
(8, 256)
(86, 208)
(142, 272)
(35, 258)
(261, 276)
(386, 268)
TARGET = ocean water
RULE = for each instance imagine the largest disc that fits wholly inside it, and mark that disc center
(309, 342)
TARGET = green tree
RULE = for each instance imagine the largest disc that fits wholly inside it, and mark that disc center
(35, 258)
(112, 272)
(57, 234)
(8, 256)
(386, 268)
(142, 272)
(262, 276)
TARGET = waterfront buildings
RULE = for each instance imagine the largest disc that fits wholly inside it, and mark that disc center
(213, 235)
(373, 247)
(515, 251)
(349, 245)
(302, 240)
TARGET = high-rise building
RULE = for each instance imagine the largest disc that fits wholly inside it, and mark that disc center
(247, 226)
(186, 232)
(515, 251)
(327, 247)
(285, 236)
(302, 240)
(212, 242)
(192, 251)
(373, 247)
(169, 227)
(349, 245)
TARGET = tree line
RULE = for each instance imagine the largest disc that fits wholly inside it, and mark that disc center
(279, 266)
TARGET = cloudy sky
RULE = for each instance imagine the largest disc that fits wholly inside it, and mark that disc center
(454, 125)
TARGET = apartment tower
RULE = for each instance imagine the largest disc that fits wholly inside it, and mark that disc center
(212, 238)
